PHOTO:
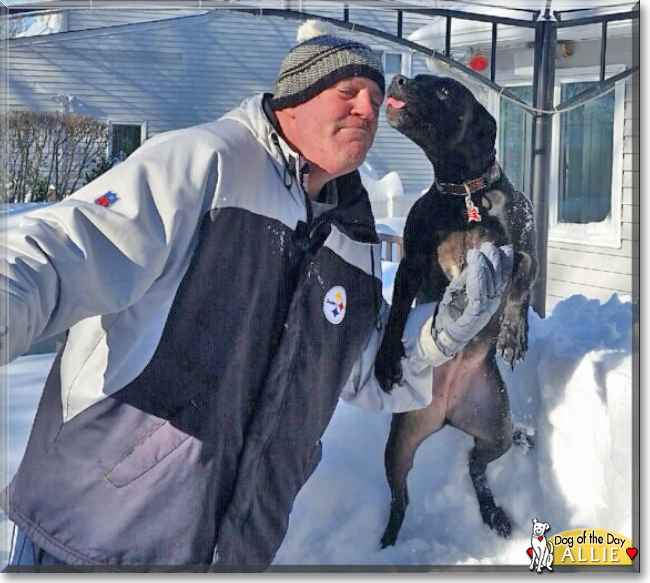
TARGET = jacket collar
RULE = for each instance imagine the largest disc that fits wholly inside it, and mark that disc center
(263, 125)
(260, 120)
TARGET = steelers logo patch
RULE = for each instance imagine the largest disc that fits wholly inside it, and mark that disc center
(335, 305)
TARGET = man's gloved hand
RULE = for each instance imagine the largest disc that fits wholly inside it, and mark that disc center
(471, 299)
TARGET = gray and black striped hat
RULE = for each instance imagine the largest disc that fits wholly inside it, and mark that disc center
(319, 61)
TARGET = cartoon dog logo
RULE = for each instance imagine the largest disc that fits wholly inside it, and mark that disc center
(540, 550)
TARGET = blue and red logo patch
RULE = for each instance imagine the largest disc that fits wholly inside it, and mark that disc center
(106, 199)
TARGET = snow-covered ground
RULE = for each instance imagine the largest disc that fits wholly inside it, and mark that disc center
(572, 394)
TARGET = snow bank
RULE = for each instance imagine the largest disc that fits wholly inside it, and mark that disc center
(383, 192)
(580, 364)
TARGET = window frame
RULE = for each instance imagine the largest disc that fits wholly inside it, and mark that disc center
(406, 63)
(607, 233)
(112, 123)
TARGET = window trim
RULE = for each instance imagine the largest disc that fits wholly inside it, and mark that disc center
(111, 123)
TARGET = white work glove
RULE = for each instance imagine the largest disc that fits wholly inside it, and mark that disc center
(471, 299)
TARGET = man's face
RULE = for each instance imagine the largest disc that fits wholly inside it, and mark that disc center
(335, 129)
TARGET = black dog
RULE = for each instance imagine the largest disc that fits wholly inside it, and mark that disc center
(471, 201)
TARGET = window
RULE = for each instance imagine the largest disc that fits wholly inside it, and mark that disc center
(586, 159)
(396, 64)
(515, 131)
(125, 138)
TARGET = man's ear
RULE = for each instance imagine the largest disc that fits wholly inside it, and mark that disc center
(290, 112)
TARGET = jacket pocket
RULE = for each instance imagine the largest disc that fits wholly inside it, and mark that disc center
(146, 454)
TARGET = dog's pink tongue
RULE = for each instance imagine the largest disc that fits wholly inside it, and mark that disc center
(396, 103)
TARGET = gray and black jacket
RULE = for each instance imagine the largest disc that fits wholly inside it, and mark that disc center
(213, 325)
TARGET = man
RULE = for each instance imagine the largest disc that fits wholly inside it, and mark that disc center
(222, 288)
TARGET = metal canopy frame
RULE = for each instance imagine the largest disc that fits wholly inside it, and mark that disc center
(545, 23)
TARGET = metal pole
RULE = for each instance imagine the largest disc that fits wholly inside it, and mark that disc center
(544, 81)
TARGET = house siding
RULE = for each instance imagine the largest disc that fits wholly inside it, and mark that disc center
(98, 18)
(195, 73)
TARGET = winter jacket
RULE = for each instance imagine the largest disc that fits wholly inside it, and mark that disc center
(213, 325)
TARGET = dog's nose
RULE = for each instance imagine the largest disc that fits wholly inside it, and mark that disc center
(399, 79)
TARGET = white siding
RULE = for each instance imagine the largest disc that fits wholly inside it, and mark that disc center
(98, 18)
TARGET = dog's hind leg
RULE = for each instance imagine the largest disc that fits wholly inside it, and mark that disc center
(480, 408)
(407, 431)
(481, 455)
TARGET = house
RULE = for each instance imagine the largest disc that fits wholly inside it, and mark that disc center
(150, 71)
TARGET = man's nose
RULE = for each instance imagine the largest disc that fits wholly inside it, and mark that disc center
(363, 106)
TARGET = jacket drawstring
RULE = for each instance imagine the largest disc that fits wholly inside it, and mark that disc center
(288, 172)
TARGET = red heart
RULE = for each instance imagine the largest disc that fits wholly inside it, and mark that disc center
(540, 537)
(530, 552)
(631, 552)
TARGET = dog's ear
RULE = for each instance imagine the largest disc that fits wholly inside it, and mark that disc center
(547, 525)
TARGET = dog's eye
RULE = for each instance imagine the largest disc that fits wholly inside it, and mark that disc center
(443, 93)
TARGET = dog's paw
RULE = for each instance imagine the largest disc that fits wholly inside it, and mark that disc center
(498, 520)
(388, 368)
(389, 538)
(521, 439)
(512, 342)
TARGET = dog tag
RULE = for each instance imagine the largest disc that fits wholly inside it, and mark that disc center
(473, 214)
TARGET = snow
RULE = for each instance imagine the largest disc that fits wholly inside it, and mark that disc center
(386, 188)
(572, 395)
(47, 23)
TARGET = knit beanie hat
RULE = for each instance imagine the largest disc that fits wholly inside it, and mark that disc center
(320, 60)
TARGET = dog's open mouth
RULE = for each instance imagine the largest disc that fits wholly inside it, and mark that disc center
(395, 103)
